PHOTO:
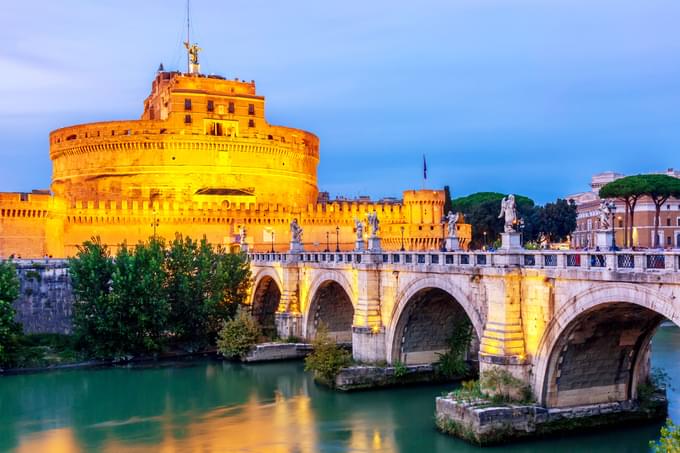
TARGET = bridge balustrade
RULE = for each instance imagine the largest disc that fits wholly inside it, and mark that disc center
(623, 261)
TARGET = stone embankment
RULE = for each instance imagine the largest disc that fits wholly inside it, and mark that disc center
(484, 423)
(266, 352)
(363, 377)
(45, 302)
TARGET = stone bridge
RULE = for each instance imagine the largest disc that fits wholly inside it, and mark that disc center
(576, 326)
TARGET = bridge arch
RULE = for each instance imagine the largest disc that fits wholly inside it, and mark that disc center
(597, 346)
(421, 305)
(329, 301)
(265, 299)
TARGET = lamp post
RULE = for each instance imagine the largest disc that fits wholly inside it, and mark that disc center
(337, 239)
(402, 238)
(328, 244)
(521, 232)
(272, 241)
(612, 210)
(484, 241)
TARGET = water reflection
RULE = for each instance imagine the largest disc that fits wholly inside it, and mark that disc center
(215, 406)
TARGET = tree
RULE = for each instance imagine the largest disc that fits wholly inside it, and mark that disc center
(447, 200)
(121, 306)
(660, 188)
(557, 220)
(629, 189)
(91, 272)
(204, 287)
(10, 330)
(481, 210)
(138, 308)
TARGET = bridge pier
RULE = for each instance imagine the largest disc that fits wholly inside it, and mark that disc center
(368, 344)
(368, 333)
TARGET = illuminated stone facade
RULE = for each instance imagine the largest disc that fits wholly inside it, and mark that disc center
(202, 160)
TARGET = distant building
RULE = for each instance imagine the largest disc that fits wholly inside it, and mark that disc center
(588, 217)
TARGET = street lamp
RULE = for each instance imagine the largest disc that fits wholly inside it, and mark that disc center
(402, 238)
(612, 210)
(337, 239)
(521, 231)
(272, 241)
(328, 244)
(484, 240)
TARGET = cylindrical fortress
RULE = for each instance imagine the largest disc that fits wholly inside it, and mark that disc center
(200, 138)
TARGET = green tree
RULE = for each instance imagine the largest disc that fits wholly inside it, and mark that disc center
(447, 200)
(10, 330)
(629, 190)
(660, 188)
(121, 306)
(138, 309)
(204, 287)
(91, 272)
(669, 441)
(481, 210)
(557, 220)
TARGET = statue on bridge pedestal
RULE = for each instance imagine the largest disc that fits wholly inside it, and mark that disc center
(242, 239)
(374, 239)
(605, 212)
(509, 213)
(451, 242)
(374, 223)
(451, 220)
(359, 227)
(296, 236)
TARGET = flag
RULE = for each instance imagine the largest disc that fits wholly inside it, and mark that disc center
(424, 167)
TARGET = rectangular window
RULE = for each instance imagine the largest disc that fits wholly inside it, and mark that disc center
(251, 123)
(187, 119)
(251, 109)
(211, 106)
(669, 241)
(231, 107)
(678, 220)
(620, 223)
(668, 221)
(187, 104)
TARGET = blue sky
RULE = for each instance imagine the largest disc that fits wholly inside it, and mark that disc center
(524, 96)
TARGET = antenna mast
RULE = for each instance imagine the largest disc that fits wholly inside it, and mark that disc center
(193, 67)
(188, 35)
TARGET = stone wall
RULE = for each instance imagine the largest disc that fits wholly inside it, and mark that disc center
(333, 308)
(45, 303)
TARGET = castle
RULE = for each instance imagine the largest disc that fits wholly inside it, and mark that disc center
(201, 161)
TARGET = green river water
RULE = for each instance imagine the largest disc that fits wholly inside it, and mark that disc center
(213, 406)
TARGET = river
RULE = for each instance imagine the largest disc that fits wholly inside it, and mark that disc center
(212, 406)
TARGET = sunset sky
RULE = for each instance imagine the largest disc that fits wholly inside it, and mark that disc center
(530, 97)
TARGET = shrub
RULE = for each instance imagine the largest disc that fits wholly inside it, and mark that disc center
(327, 357)
(238, 335)
(400, 369)
(453, 363)
(504, 387)
(10, 331)
(669, 441)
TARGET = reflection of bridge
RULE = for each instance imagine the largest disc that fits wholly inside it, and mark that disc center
(575, 326)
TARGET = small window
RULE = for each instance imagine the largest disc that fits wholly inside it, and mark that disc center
(187, 119)
(211, 106)
(620, 223)
(678, 220)
(231, 107)
(251, 123)
(668, 221)
(251, 109)
(187, 104)
(669, 240)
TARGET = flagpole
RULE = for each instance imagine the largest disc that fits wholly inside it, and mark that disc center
(424, 171)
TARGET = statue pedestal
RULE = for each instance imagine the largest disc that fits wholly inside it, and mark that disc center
(295, 247)
(374, 244)
(359, 246)
(243, 247)
(604, 239)
(511, 241)
(452, 244)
